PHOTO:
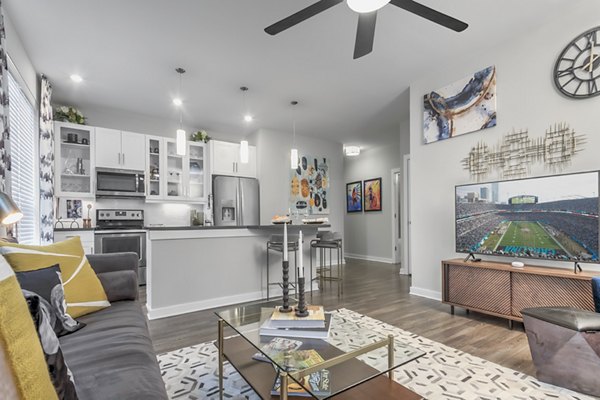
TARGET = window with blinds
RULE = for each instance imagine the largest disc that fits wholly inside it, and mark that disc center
(21, 119)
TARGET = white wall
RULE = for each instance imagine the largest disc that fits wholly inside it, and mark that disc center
(20, 58)
(368, 235)
(526, 99)
(273, 155)
(114, 118)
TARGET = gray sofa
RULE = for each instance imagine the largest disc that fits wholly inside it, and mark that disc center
(112, 357)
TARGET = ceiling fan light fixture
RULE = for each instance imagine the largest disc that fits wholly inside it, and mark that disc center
(366, 6)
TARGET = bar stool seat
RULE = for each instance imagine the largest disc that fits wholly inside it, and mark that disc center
(328, 241)
(275, 243)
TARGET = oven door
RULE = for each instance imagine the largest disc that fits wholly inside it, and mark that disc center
(119, 242)
(119, 183)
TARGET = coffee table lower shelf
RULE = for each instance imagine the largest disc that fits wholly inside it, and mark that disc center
(261, 375)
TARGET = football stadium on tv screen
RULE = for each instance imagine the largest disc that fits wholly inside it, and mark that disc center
(554, 218)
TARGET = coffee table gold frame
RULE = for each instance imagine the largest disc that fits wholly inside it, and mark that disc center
(298, 375)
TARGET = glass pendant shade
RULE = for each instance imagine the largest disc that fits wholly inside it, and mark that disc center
(244, 152)
(181, 142)
(366, 6)
(294, 159)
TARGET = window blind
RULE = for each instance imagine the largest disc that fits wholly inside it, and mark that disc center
(21, 119)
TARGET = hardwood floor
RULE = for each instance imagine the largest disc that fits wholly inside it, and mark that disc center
(376, 290)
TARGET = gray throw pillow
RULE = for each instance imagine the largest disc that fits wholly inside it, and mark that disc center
(47, 283)
(60, 375)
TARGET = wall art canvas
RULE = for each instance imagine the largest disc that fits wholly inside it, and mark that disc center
(309, 186)
(467, 105)
(74, 209)
(372, 195)
(354, 201)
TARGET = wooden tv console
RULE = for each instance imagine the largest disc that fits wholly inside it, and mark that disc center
(501, 290)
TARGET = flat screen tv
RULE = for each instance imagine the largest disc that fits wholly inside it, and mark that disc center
(552, 217)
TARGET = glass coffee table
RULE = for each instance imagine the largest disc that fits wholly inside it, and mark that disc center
(353, 363)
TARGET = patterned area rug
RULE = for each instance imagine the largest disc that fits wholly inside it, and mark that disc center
(442, 373)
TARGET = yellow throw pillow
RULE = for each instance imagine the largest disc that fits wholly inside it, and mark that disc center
(20, 346)
(84, 293)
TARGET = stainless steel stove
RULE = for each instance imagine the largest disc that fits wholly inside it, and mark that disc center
(122, 231)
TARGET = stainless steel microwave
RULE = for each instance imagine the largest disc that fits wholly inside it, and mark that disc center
(120, 183)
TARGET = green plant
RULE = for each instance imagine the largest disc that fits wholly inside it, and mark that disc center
(68, 114)
(200, 136)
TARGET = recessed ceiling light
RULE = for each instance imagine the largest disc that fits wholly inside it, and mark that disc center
(352, 151)
(248, 118)
(76, 78)
(177, 101)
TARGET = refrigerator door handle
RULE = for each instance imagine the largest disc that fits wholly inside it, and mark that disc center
(237, 204)
(242, 203)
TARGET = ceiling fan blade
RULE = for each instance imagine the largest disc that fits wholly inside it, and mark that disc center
(365, 34)
(301, 15)
(431, 14)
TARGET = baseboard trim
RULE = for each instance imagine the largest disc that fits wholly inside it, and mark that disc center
(430, 294)
(404, 271)
(170, 311)
(368, 258)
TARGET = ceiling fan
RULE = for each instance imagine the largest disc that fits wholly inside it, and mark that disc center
(367, 17)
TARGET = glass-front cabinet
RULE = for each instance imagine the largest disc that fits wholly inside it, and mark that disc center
(172, 177)
(73, 160)
(196, 171)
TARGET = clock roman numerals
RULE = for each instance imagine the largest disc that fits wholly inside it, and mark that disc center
(577, 69)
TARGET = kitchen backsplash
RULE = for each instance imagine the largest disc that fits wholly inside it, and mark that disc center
(167, 214)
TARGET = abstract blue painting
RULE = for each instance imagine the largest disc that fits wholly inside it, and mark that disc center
(467, 105)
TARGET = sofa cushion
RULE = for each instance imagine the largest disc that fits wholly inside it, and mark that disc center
(113, 357)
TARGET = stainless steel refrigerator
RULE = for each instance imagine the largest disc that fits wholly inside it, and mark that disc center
(235, 201)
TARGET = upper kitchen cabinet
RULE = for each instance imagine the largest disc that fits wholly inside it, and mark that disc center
(195, 173)
(120, 149)
(74, 160)
(225, 159)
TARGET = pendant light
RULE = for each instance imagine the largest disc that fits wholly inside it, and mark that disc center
(244, 149)
(181, 137)
(294, 153)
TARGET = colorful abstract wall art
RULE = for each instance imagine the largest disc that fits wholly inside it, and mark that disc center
(309, 184)
(372, 195)
(467, 105)
(354, 201)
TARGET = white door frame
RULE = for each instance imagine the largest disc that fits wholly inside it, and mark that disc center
(394, 200)
(406, 259)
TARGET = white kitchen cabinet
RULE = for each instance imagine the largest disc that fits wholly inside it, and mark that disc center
(225, 159)
(86, 237)
(74, 164)
(132, 151)
(120, 149)
(171, 177)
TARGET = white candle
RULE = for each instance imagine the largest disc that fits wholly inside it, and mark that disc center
(285, 243)
(300, 263)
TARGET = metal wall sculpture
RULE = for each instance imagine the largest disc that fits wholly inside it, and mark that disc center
(513, 156)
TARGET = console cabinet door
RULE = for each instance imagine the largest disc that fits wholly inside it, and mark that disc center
(108, 148)
(132, 151)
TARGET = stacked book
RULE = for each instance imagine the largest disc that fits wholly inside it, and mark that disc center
(314, 326)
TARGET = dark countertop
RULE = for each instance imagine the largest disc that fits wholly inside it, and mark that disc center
(270, 226)
(73, 229)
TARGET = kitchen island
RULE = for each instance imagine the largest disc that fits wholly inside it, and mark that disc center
(195, 268)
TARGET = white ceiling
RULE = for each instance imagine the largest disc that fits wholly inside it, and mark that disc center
(127, 50)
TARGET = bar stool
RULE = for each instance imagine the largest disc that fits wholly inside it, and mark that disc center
(275, 243)
(331, 241)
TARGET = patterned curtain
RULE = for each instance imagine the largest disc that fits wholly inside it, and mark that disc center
(46, 164)
(5, 136)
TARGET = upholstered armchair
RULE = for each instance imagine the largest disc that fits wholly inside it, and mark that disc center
(565, 345)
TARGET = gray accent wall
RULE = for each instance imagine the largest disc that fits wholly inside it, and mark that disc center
(273, 160)
(368, 235)
(527, 98)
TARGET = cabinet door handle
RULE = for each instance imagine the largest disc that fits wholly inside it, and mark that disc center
(119, 155)
(123, 158)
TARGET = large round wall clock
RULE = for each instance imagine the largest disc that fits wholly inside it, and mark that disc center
(577, 70)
